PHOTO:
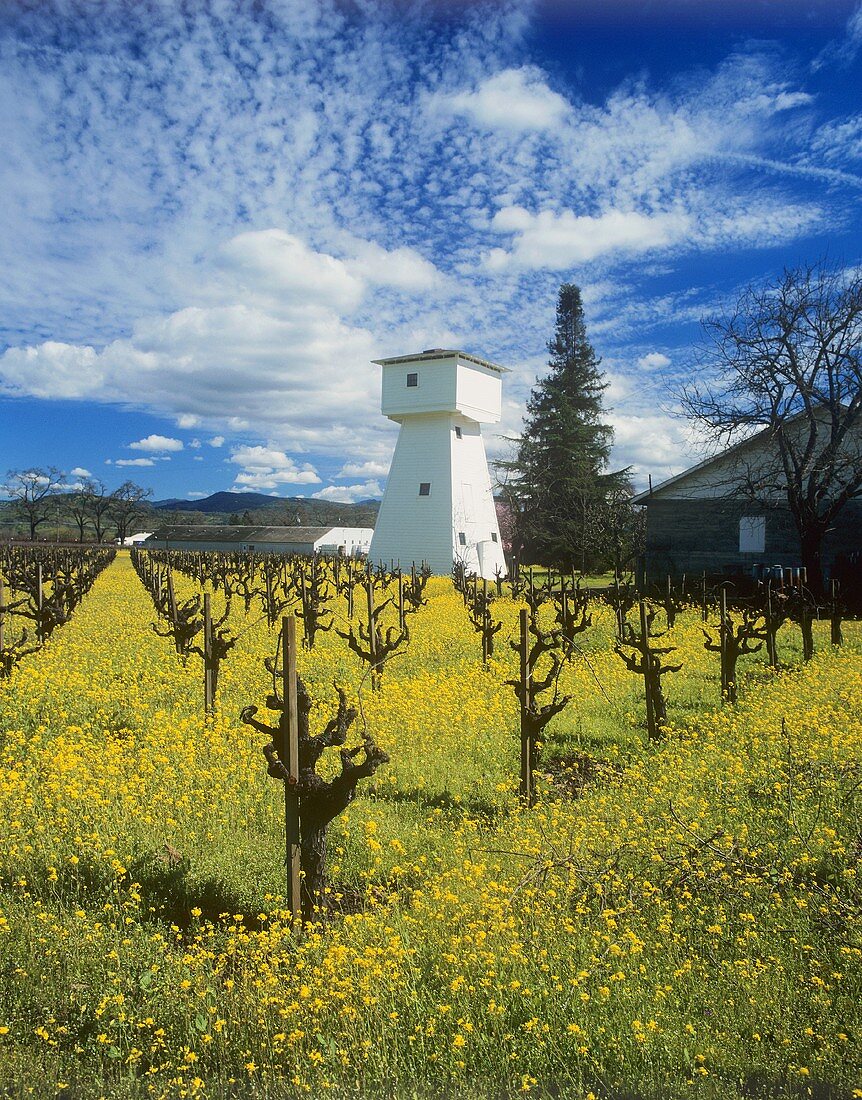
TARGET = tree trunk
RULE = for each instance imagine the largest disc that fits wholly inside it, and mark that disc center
(811, 543)
(313, 833)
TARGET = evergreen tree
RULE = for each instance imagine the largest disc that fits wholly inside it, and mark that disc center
(558, 484)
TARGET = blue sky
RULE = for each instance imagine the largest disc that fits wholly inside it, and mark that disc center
(214, 215)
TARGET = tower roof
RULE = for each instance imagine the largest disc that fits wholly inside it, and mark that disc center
(441, 353)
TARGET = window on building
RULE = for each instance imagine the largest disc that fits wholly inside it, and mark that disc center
(457, 432)
(462, 538)
(424, 488)
(494, 537)
(752, 534)
(412, 381)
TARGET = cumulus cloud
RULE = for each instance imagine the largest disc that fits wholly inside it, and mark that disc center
(556, 241)
(156, 444)
(280, 268)
(134, 462)
(216, 441)
(79, 471)
(654, 360)
(293, 365)
(514, 99)
(268, 467)
(51, 370)
(186, 420)
(349, 494)
(371, 468)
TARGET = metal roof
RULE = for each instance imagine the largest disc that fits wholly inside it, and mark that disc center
(441, 353)
(230, 534)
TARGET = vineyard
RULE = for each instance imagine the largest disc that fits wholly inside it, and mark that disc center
(566, 843)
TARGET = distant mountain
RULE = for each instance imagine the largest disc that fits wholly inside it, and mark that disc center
(269, 511)
(220, 502)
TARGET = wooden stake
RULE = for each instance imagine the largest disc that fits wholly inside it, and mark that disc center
(372, 633)
(652, 730)
(527, 747)
(209, 671)
(2, 614)
(288, 751)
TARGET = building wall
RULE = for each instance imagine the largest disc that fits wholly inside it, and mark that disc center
(411, 528)
(479, 393)
(693, 536)
(435, 392)
(473, 511)
(351, 541)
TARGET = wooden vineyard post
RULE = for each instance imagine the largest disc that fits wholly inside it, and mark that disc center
(652, 725)
(836, 636)
(209, 671)
(722, 635)
(288, 752)
(400, 601)
(771, 647)
(172, 601)
(2, 617)
(40, 631)
(372, 634)
(526, 790)
(703, 598)
(486, 639)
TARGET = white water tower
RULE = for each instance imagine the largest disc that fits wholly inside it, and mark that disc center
(438, 506)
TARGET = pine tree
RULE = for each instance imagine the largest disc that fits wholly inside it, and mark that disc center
(559, 484)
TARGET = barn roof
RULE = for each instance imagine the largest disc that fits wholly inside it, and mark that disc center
(752, 442)
(762, 441)
(230, 534)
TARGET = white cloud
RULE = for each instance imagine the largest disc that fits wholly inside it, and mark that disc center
(134, 462)
(281, 268)
(654, 360)
(197, 495)
(401, 268)
(556, 241)
(291, 368)
(51, 370)
(349, 494)
(216, 441)
(514, 99)
(156, 444)
(268, 467)
(195, 444)
(79, 471)
(186, 420)
(369, 469)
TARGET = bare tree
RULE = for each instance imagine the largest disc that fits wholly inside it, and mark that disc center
(787, 359)
(89, 502)
(31, 491)
(127, 504)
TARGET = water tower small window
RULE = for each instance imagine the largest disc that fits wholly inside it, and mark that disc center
(412, 381)
(457, 432)
(424, 488)
(462, 538)
(494, 537)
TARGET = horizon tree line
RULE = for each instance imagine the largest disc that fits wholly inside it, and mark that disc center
(39, 495)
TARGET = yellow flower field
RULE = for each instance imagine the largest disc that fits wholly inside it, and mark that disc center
(672, 920)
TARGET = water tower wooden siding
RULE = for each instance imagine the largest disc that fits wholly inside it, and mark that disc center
(438, 505)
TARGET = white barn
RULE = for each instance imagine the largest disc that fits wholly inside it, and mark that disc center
(438, 506)
(349, 542)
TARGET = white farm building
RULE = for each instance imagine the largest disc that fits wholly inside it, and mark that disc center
(351, 542)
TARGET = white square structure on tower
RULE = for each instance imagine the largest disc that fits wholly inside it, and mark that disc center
(438, 506)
